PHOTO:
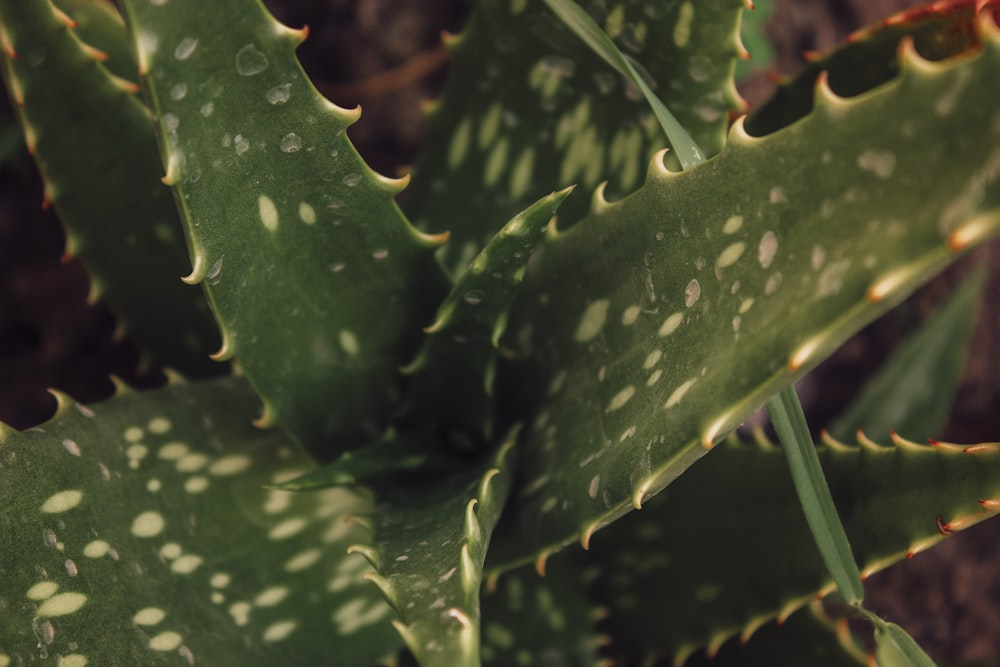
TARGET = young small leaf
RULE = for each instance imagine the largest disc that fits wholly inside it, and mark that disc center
(452, 377)
(430, 539)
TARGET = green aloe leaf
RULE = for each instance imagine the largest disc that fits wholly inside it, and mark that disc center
(807, 637)
(870, 58)
(550, 621)
(123, 223)
(452, 377)
(912, 394)
(746, 563)
(138, 532)
(318, 281)
(580, 122)
(742, 274)
(99, 25)
(430, 540)
(760, 52)
(394, 453)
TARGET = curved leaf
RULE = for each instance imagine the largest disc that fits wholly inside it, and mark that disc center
(318, 281)
(730, 539)
(741, 274)
(119, 219)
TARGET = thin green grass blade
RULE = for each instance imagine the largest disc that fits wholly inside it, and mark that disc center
(814, 493)
(587, 29)
(896, 648)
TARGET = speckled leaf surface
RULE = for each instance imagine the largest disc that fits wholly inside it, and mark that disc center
(451, 379)
(893, 500)
(138, 532)
(319, 283)
(709, 290)
(529, 109)
(550, 621)
(912, 394)
(123, 225)
(430, 539)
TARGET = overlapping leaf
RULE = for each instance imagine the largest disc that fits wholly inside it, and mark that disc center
(729, 538)
(119, 219)
(319, 283)
(138, 532)
(550, 621)
(529, 109)
(430, 540)
(870, 58)
(913, 393)
(807, 637)
(707, 291)
(451, 380)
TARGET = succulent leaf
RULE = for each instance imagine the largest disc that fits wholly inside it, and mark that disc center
(579, 121)
(759, 54)
(870, 58)
(742, 275)
(548, 621)
(430, 539)
(893, 500)
(139, 532)
(100, 26)
(807, 637)
(452, 377)
(318, 281)
(912, 394)
(394, 453)
(123, 224)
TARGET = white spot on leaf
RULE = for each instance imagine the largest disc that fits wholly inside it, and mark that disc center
(621, 398)
(670, 325)
(148, 524)
(592, 321)
(62, 604)
(692, 293)
(767, 249)
(268, 213)
(149, 616)
(62, 501)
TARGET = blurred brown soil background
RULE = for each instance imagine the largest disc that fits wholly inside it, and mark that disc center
(386, 55)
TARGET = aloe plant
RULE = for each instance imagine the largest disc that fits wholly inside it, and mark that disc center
(416, 410)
